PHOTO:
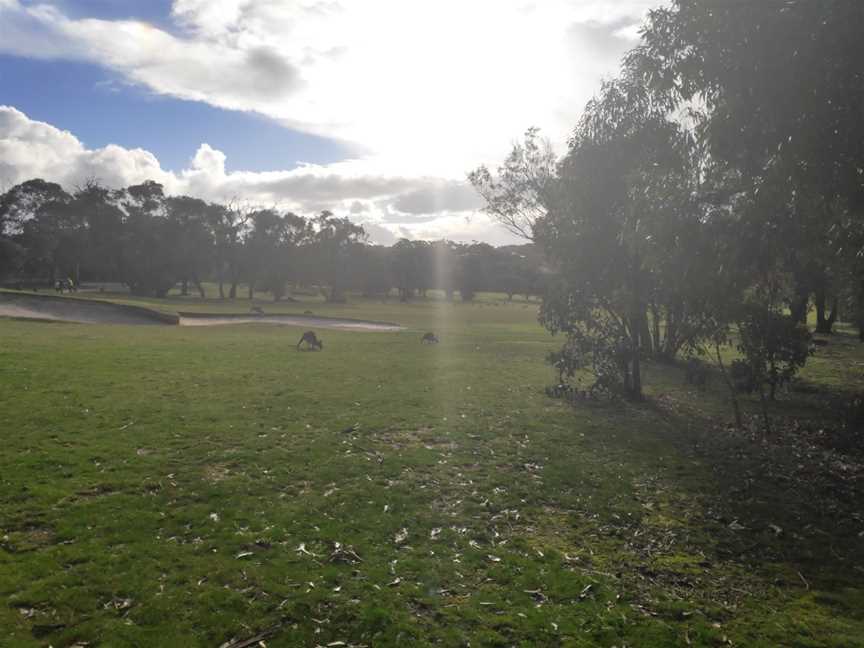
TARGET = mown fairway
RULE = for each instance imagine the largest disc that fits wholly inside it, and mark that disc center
(168, 486)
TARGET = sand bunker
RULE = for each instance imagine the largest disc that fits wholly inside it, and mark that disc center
(84, 311)
(190, 319)
(89, 311)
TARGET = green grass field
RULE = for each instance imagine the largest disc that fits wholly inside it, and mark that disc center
(173, 486)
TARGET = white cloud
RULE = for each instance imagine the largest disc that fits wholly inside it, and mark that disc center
(33, 149)
(427, 89)
(432, 87)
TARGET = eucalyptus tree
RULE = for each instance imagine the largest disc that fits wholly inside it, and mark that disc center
(196, 240)
(259, 246)
(100, 209)
(333, 246)
(228, 223)
(780, 85)
(411, 264)
(445, 266)
(374, 275)
(271, 249)
(780, 79)
(475, 270)
(38, 230)
(518, 194)
(624, 159)
(151, 253)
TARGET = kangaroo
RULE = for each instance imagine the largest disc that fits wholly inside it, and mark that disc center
(311, 340)
(256, 310)
(429, 338)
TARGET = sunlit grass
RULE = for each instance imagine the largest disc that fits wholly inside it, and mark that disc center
(181, 487)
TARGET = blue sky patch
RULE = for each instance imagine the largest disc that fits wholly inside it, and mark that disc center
(99, 108)
(157, 12)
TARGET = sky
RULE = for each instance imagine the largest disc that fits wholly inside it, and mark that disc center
(372, 109)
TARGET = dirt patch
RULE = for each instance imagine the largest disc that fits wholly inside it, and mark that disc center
(30, 539)
(215, 473)
(424, 437)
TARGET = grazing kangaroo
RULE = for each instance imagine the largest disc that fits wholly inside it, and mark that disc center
(429, 338)
(256, 310)
(311, 341)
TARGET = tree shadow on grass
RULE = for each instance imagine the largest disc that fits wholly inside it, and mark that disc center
(716, 520)
(792, 499)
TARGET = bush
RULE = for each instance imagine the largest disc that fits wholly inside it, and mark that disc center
(774, 346)
(604, 357)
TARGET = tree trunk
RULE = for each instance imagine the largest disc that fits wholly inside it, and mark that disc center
(736, 408)
(798, 306)
(184, 288)
(859, 311)
(251, 291)
(200, 287)
(636, 374)
(674, 318)
(766, 419)
(655, 332)
(633, 362)
(819, 302)
(832, 317)
(645, 333)
(638, 324)
(824, 325)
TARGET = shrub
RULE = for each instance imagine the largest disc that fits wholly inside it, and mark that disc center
(774, 346)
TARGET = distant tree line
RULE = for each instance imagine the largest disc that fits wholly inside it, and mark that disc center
(712, 192)
(153, 242)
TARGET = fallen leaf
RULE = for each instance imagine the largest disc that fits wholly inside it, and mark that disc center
(302, 549)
